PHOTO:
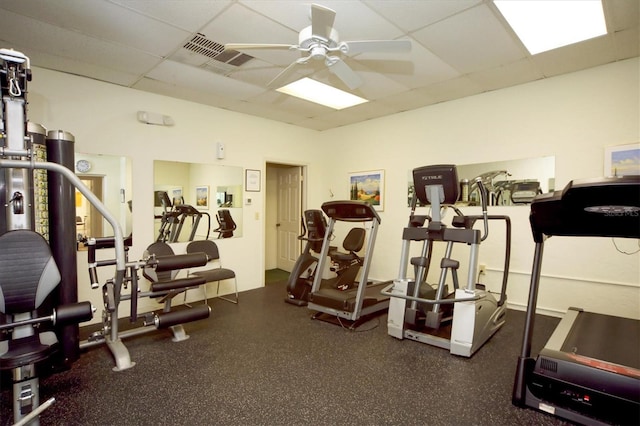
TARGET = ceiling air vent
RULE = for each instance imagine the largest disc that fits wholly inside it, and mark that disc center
(214, 50)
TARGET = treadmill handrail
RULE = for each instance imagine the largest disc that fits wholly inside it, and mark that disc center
(386, 292)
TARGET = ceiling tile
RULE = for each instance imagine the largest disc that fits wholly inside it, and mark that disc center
(471, 41)
(238, 24)
(627, 43)
(104, 21)
(43, 37)
(586, 54)
(411, 15)
(507, 75)
(198, 79)
(190, 15)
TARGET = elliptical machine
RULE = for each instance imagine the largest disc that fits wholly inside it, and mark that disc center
(465, 319)
(301, 277)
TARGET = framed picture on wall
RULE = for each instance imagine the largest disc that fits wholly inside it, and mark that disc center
(622, 160)
(368, 186)
(202, 197)
(252, 180)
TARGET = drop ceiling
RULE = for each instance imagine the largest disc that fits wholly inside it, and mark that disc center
(176, 48)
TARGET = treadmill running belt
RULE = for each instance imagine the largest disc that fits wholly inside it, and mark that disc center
(605, 337)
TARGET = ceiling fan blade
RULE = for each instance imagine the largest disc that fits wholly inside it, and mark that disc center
(361, 46)
(285, 74)
(344, 72)
(242, 46)
(322, 21)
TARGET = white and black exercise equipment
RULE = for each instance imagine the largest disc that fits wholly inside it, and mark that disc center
(343, 299)
(589, 370)
(464, 319)
(38, 279)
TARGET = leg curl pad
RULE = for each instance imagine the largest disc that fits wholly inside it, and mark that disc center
(180, 317)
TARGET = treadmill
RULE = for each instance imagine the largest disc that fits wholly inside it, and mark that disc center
(356, 305)
(589, 370)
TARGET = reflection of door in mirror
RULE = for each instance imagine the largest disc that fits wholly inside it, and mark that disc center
(111, 181)
(88, 219)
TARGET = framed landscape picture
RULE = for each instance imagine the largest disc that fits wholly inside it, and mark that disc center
(202, 197)
(622, 160)
(368, 186)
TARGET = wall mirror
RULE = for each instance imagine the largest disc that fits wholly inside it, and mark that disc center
(109, 177)
(195, 201)
(510, 182)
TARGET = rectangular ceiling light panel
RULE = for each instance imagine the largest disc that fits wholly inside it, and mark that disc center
(544, 25)
(320, 93)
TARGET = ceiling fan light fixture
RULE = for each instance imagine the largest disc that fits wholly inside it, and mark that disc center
(320, 93)
(547, 25)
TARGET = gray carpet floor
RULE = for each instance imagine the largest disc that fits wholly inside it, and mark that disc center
(265, 362)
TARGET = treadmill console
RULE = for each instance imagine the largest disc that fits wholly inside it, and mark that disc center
(350, 211)
(603, 207)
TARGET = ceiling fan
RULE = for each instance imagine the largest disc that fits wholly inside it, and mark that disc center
(321, 41)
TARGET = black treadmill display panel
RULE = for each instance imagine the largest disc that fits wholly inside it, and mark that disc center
(606, 207)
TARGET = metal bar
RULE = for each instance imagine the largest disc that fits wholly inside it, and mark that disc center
(386, 292)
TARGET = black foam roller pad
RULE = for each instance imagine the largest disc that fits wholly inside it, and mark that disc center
(74, 313)
(180, 317)
(180, 261)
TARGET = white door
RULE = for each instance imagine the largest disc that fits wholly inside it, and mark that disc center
(289, 216)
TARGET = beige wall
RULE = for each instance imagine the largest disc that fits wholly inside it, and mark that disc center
(573, 117)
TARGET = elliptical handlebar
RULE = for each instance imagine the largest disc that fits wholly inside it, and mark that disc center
(483, 200)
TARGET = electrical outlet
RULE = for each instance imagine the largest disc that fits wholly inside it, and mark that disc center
(482, 269)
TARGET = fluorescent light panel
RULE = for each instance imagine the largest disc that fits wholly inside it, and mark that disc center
(320, 93)
(544, 25)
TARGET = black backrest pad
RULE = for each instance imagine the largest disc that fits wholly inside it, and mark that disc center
(28, 272)
(159, 248)
(207, 247)
(354, 239)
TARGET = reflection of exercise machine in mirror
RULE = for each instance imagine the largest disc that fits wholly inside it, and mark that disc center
(206, 187)
(174, 216)
(226, 224)
(500, 192)
(461, 320)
